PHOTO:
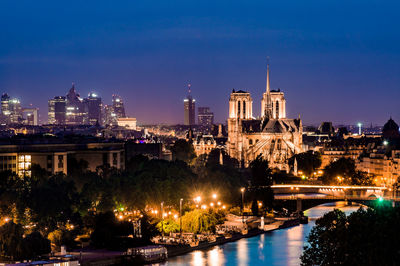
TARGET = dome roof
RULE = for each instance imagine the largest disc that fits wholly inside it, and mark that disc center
(390, 126)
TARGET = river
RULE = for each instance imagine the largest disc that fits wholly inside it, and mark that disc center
(280, 247)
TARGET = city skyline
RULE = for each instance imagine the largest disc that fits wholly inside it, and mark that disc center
(340, 59)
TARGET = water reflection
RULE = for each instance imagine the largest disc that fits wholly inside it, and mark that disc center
(242, 252)
(281, 247)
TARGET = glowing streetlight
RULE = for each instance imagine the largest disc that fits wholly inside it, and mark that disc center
(242, 190)
(214, 196)
(197, 199)
(180, 217)
(385, 142)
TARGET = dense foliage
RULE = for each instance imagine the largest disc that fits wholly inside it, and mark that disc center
(365, 237)
(343, 171)
(87, 204)
(307, 162)
(198, 220)
(260, 181)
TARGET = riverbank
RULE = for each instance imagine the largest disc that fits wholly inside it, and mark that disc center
(103, 257)
(178, 250)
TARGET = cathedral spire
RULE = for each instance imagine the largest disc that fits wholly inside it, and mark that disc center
(267, 89)
(268, 102)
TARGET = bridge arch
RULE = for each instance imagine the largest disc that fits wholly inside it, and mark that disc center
(306, 204)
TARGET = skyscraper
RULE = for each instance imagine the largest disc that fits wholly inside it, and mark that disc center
(189, 105)
(15, 111)
(92, 105)
(57, 110)
(204, 116)
(75, 114)
(11, 111)
(118, 106)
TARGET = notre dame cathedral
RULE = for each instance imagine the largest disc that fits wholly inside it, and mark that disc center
(272, 135)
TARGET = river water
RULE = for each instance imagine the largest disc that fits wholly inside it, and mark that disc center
(280, 247)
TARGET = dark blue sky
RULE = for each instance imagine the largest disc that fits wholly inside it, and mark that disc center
(336, 60)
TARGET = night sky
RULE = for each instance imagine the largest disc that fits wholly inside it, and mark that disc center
(335, 60)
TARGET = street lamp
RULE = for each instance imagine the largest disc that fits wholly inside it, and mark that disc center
(180, 217)
(242, 190)
(162, 219)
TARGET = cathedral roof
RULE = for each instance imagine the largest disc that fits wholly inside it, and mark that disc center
(390, 125)
(271, 125)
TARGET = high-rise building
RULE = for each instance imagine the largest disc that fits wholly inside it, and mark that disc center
(5, 108)
(57, 110)
(189, 105)
(15, 111)
(204, 116)
(109, 117)
(118, 106)
(75, 114)
(11, 111)
(93, 106)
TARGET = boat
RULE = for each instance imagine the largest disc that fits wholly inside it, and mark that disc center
(148, 254)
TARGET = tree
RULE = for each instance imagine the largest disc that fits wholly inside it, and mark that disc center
(183, 150)
(261, 182)
(343, 171)
(36, 245)
(168, 226)
(12, 245)
(343, 168)
(200, 221)
(365, 237)
(307, 162)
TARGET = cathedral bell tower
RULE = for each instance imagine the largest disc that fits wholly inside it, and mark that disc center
(240, 108)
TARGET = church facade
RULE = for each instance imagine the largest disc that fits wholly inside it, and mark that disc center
(272, 135)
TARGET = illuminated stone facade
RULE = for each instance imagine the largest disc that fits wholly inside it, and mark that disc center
(274, 136)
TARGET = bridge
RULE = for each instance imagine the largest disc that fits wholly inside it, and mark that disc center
(301, 197)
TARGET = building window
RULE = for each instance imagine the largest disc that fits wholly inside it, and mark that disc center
(277, 110)
(250, 142)
(238, 109)
(244, 109)
(60, 161)
(105, 161)
(115, 159)
(24, 165)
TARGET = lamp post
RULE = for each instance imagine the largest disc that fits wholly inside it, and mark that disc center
(180, 217)
(242, 190)
(162, 219)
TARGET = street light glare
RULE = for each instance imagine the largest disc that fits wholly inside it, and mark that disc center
(242, 189)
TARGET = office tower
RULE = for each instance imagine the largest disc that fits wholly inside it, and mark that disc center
(5, 108)
(109, 117)
(204, 116)
(15, 111)
(189, 105)
(93, 109)
(75, 114)
(57, 110)
(11, 111)
(118, 106)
